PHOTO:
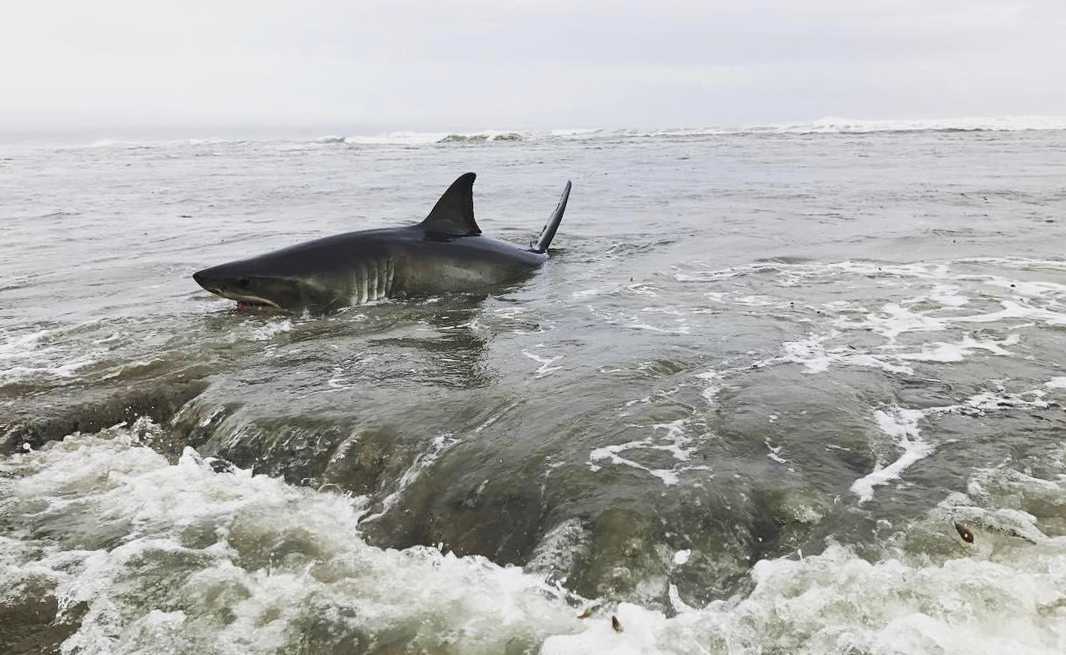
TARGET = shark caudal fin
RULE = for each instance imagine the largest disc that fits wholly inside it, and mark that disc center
(454, 212)
(548, 233)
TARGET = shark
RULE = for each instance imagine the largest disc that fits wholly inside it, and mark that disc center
(444, 253)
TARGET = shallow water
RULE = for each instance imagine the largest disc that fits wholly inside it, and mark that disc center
(741, 409)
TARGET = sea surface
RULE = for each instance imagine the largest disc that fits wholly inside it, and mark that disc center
(778, 390)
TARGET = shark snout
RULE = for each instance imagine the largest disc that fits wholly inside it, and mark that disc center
(216, 281)
(206, 280)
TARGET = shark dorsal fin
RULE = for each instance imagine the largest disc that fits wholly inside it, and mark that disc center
(454, 212)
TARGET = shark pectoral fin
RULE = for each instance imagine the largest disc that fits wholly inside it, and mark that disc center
(454, 212)
(548, 233)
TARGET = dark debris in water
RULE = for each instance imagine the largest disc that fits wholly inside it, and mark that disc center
(964, 532)
(219, 465)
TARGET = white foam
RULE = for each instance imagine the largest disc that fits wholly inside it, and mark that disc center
(829, 125)
(902, 425)
(957, 352)
(545, 367)
(826, 126)
(642, 289)
(989, 401)
(330, 576)
(638, 322)
(1012, 309)
(1031, 302)
(713, 381)
(839, 602)
(586, 293)
(815, 358)
(560, 549)
(675, 441)
(44, 354)
(411, 138)
(753, 300)
(402, 138)
(833, 124)
(611, 453)
(808, 352)
(270, 329)
(774, 452)
(637, 636)
(894, 320)
(224, 593)
(948, 296)
(1026, 288)
(338, 381)
(679, 605)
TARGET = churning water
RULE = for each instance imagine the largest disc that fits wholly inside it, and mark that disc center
(764, 387)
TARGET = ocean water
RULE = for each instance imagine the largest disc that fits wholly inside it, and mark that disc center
(767, 383)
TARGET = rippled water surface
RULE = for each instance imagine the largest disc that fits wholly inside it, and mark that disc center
(762, 389)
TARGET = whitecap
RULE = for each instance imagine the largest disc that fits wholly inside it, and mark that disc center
(902, 425)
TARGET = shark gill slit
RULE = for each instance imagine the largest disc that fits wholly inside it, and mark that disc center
(359, 274)
(372, 280)
(362, 283)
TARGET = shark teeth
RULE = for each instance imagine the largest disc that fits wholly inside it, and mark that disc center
(246, 302)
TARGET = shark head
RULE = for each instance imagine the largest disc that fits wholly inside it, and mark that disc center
(255, 285)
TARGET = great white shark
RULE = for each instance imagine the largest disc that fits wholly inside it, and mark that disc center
(444, 253)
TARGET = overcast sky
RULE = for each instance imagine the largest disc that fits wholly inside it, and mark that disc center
(433, 65)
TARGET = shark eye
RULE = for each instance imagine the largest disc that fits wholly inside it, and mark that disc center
(244, 283)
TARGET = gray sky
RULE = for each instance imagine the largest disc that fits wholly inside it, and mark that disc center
(418, 64)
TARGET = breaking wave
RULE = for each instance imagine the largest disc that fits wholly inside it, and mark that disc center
(827, 125)
(133, 553)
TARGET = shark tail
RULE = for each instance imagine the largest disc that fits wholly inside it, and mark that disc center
(548, 233)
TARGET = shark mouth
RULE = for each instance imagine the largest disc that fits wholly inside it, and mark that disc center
(252, 306)
(253, 303)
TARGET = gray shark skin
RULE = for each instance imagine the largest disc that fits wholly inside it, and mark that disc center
(444, 253)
